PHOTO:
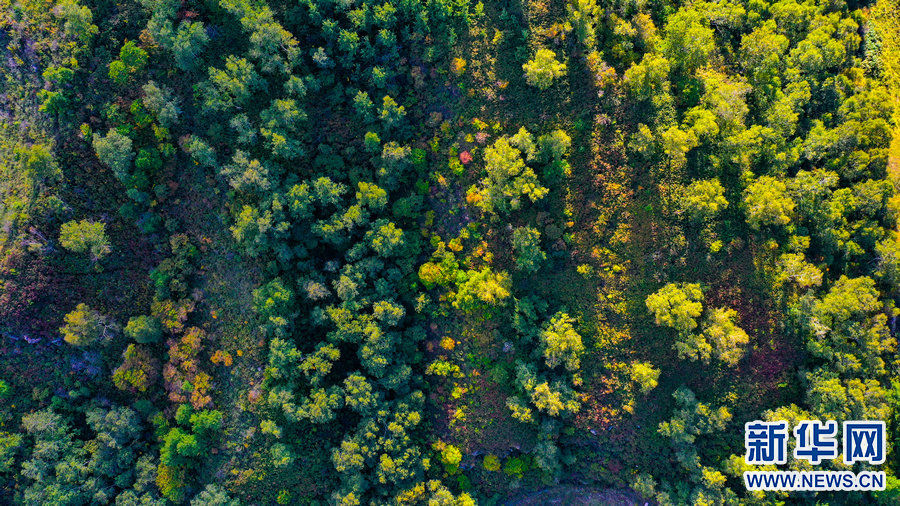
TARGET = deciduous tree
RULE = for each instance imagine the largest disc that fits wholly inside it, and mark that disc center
(85, 236)
(543, 69)
(677, 306)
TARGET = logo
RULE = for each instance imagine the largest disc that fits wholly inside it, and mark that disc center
(766, 442)
(815, 442)
(864, 442)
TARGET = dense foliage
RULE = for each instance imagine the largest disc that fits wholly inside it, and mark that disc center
(440, 252)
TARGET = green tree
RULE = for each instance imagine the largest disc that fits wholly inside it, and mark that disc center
(482, 287)
(162, 102)
(144, 329)
(693, 346)
(555, 400)
(524, 141)
(677, 306)
(645, 375)
(691, 419)
(385, 238)
(689, 41)
(762, 53)
(214, 495)
(728, 341)
(115, 151)
(703, 199)
(206, 423)
(114, 449)
(676, 143)
(56, 469)
(554, 145)
(179, 448)
(702, 123)
(833, 398)
(132, 60)
(360, 396)
(84, 326)
(519, 410)
(848, 298)
(134, 57)
(451, 458)
(562, 344)
(491, 463)
(372, 143)
(281, 455)
(39, 163)
(138, 371)
(724, 100)
(526, 243)
(189, 42)
(391, 115)
(322, 404)
(890, 494)
(273, 302)
(793, 268)
(583, 15)
(229, 89)
(79, 20)
(10, 446)
(364, 106)
(648, 79)
(887, 254)
(509, 180)
(767, 202)
(85, 236)
(543, 69)
(848, 327)
(547, 456)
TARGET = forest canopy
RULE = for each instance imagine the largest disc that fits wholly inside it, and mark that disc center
(442, 252)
